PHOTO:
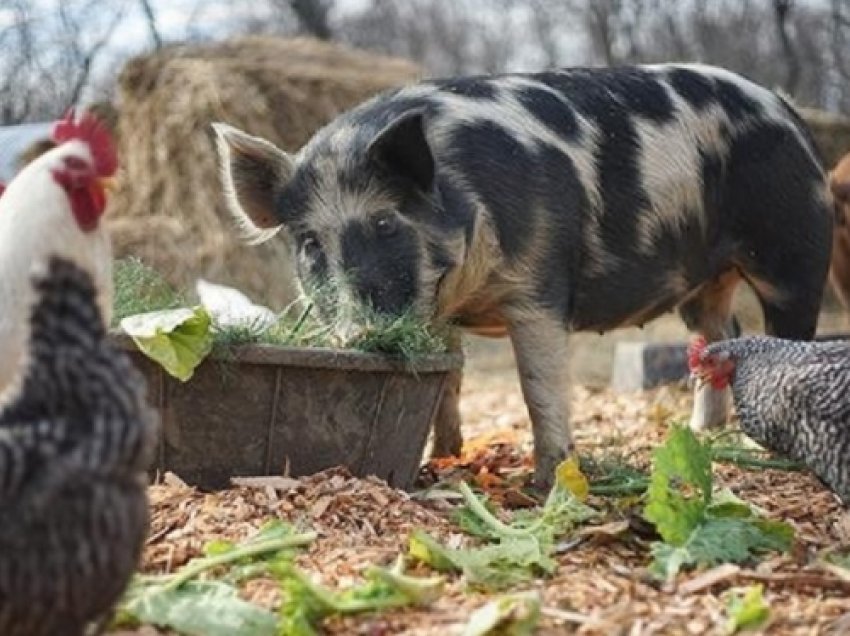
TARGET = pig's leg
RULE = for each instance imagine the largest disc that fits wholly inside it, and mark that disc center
(448, 439)
(540, 349)
(710, 314)
(447, 436)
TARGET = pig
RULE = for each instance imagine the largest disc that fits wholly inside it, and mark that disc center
(839, 273)
(535, 205)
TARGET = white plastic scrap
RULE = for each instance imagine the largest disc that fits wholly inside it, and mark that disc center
(229, 307)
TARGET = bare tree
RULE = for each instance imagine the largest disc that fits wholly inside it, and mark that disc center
(47, 56)
(80, 55)
(150, 18)
(447, 38)
(840, 37)
(782, 11)
(49, 50)
(313, 16)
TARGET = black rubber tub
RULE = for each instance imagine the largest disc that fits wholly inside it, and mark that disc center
(265, 410)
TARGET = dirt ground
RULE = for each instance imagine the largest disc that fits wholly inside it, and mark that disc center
(601, 586)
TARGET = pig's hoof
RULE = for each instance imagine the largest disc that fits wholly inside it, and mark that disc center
(447, 448)
(448, 440)
(711, 408)
(544, 469)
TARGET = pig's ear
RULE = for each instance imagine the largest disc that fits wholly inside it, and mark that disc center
(253, 172)
(403, 148)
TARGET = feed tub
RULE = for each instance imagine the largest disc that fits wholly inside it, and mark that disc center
(265, 410)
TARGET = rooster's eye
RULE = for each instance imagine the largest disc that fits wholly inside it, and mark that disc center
(75, 163)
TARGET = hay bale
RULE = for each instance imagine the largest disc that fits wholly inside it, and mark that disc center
(831, 133)
(168, 208)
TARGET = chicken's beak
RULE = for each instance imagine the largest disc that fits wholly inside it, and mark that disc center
(695, 380)
(109, 184)
(698, 378)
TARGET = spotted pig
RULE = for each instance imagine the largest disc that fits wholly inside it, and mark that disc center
(535, 205)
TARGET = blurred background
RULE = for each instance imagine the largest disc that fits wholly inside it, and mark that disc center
(159, 71)
(55, 52)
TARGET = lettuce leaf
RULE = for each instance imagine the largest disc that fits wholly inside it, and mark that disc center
(509, 615)
(306, 603)
(177, 339)
(518, 550)
(748, 611)
(198, 608)
(698, 526)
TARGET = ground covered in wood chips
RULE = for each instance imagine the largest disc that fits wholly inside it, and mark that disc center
(601, 585)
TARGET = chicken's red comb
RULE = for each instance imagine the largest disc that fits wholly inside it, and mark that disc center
(695, 350)
(2, 187)
(90, 130)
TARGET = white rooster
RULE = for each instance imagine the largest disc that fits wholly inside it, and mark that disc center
(53, 207)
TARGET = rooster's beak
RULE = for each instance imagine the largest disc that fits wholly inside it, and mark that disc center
(694, 381)
(109, 184)
(698, 379)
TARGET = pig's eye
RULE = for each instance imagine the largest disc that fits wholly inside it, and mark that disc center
(310, 245)
(386, 225)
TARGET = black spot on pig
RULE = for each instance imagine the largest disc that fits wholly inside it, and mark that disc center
(375, 115)
(734, 101)
(618, 164)
(564, 202)
(382, 262)
(554, 113)
(641, 93)
(489, 159)
(711, 172)
(472, 87)
(695, 88)
(596, 90)
(596, 93)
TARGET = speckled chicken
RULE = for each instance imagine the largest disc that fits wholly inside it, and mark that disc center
(793, 398)
(76, 438)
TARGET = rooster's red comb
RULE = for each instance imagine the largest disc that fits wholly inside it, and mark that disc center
(695, 350)
(2, 187)
(90, 130)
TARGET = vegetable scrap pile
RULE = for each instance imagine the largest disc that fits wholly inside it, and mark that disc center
(653, 530)
(178, 334)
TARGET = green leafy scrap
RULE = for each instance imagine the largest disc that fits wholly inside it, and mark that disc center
(748, 610)
(306, 603)
(509, 615)
(177, 339)
(697, 526)
(202, 608)
(719, 540)
(494, 566)
(516, 551)
(682, 464)
(189, 604)
(613, 476)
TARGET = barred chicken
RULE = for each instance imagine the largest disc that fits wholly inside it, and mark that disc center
(791, 397)
(76, 439)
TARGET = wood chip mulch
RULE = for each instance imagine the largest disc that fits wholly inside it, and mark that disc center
(601, 586)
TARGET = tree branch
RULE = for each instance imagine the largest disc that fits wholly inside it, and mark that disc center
(150, 18)
(781, 12)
